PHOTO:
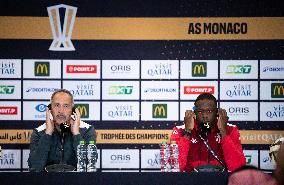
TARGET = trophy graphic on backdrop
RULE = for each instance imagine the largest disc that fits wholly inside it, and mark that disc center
(62, 31)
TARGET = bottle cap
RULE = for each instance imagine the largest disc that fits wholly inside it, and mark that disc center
(82, 142)
(91, 142)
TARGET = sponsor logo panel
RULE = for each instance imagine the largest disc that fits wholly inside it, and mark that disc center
(142, 136)
(190, 69)
(88, 110)
(132, 136)
(158, 90)
(199, 69)
(83, 90)
(251, 157)
(241, 111)
(34, 110)
(42, 68)
(271, 111)
(120, 69)
(26, 154)
(159, 69)
(272, 90)
(120, 158)
(238, 90)
(10, 110)
(266, 137)
(40, 88)
(10, 68)
(191, 89)
(269, 69)
(89, 69)
(239, 69)
(277, 90)
(159, 111)
(265, 161)
(120, 90)
(15, 136)
(10, 89)
(120, 111)
(150, 159)
(10, 159)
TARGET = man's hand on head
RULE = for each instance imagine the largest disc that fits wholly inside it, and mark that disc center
(75, 124)
(49, 123)
(222, 121)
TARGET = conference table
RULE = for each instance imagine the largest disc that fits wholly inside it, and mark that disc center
(112, 178)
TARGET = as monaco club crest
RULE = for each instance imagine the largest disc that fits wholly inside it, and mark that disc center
(62, 31)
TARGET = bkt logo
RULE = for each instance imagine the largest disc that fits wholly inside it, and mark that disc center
(248, 159)
(238, 69)
(41, 107)
(8, 110)
(120, 68)
(41, 69)
(198, 89)
(7, 89)
(159, 110)
(199, 69)
(239, 110)
(120, 90)
(277, 90)
(83, 109)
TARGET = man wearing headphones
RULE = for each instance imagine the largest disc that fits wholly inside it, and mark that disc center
(206, 140)
(55, 142)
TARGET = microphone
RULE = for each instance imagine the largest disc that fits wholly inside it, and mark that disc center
(205, 128)
(64, 128)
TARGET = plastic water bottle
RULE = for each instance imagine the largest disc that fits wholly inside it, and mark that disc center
(81, 157)
(92, 157)
(164, 155)
(174, 157)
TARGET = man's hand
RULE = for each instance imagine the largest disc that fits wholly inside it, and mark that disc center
(189, 120)
(222, 122)
(75, 125)
(49, 123)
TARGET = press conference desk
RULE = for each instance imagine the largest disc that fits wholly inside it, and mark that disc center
(111, 178)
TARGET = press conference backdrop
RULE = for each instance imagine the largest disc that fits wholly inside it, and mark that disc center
(135, 67)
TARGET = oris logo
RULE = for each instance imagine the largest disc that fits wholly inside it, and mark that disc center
(120, 157)
(120, 68)
(239, 110)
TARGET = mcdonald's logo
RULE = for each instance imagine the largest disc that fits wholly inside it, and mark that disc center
(277, 90)
(41, 69)
(83, 109)
(159, 110)
(199, 69)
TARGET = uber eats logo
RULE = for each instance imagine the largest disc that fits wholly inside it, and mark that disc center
(7, 89)
(277, 90)
(159, 110)
(238, 69)
(83, 109)
(199, 69)
(42, 69)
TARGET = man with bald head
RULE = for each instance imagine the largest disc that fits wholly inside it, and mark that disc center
(55, 142)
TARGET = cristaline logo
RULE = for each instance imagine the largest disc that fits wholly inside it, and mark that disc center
(81, 69)
(8, 110)
(198, 89)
